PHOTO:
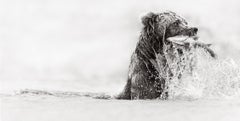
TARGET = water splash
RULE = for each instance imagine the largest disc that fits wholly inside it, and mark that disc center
(211, 79)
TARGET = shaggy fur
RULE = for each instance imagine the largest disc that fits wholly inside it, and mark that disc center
(152, 61)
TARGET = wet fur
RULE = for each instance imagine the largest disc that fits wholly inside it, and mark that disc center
(148, 67)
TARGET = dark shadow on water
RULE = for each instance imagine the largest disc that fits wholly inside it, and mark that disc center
(63, 94)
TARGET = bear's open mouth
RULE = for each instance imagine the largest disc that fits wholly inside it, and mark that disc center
(182, 39)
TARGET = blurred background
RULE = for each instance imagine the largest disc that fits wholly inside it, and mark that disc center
(85, 45)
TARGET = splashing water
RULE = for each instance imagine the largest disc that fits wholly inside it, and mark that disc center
(210, 79)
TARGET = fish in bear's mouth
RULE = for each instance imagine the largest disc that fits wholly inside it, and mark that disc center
(191, 40)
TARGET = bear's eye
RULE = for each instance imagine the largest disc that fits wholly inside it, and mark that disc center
(176, 23)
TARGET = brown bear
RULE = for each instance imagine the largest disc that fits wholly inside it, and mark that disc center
(150, 66)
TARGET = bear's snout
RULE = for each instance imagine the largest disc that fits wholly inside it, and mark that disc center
(192, 31)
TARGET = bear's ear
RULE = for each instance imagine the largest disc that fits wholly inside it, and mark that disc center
(148, 20)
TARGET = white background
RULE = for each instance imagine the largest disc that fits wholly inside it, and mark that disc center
(86, 44)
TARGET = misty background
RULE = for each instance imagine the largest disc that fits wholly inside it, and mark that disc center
(85, 45)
